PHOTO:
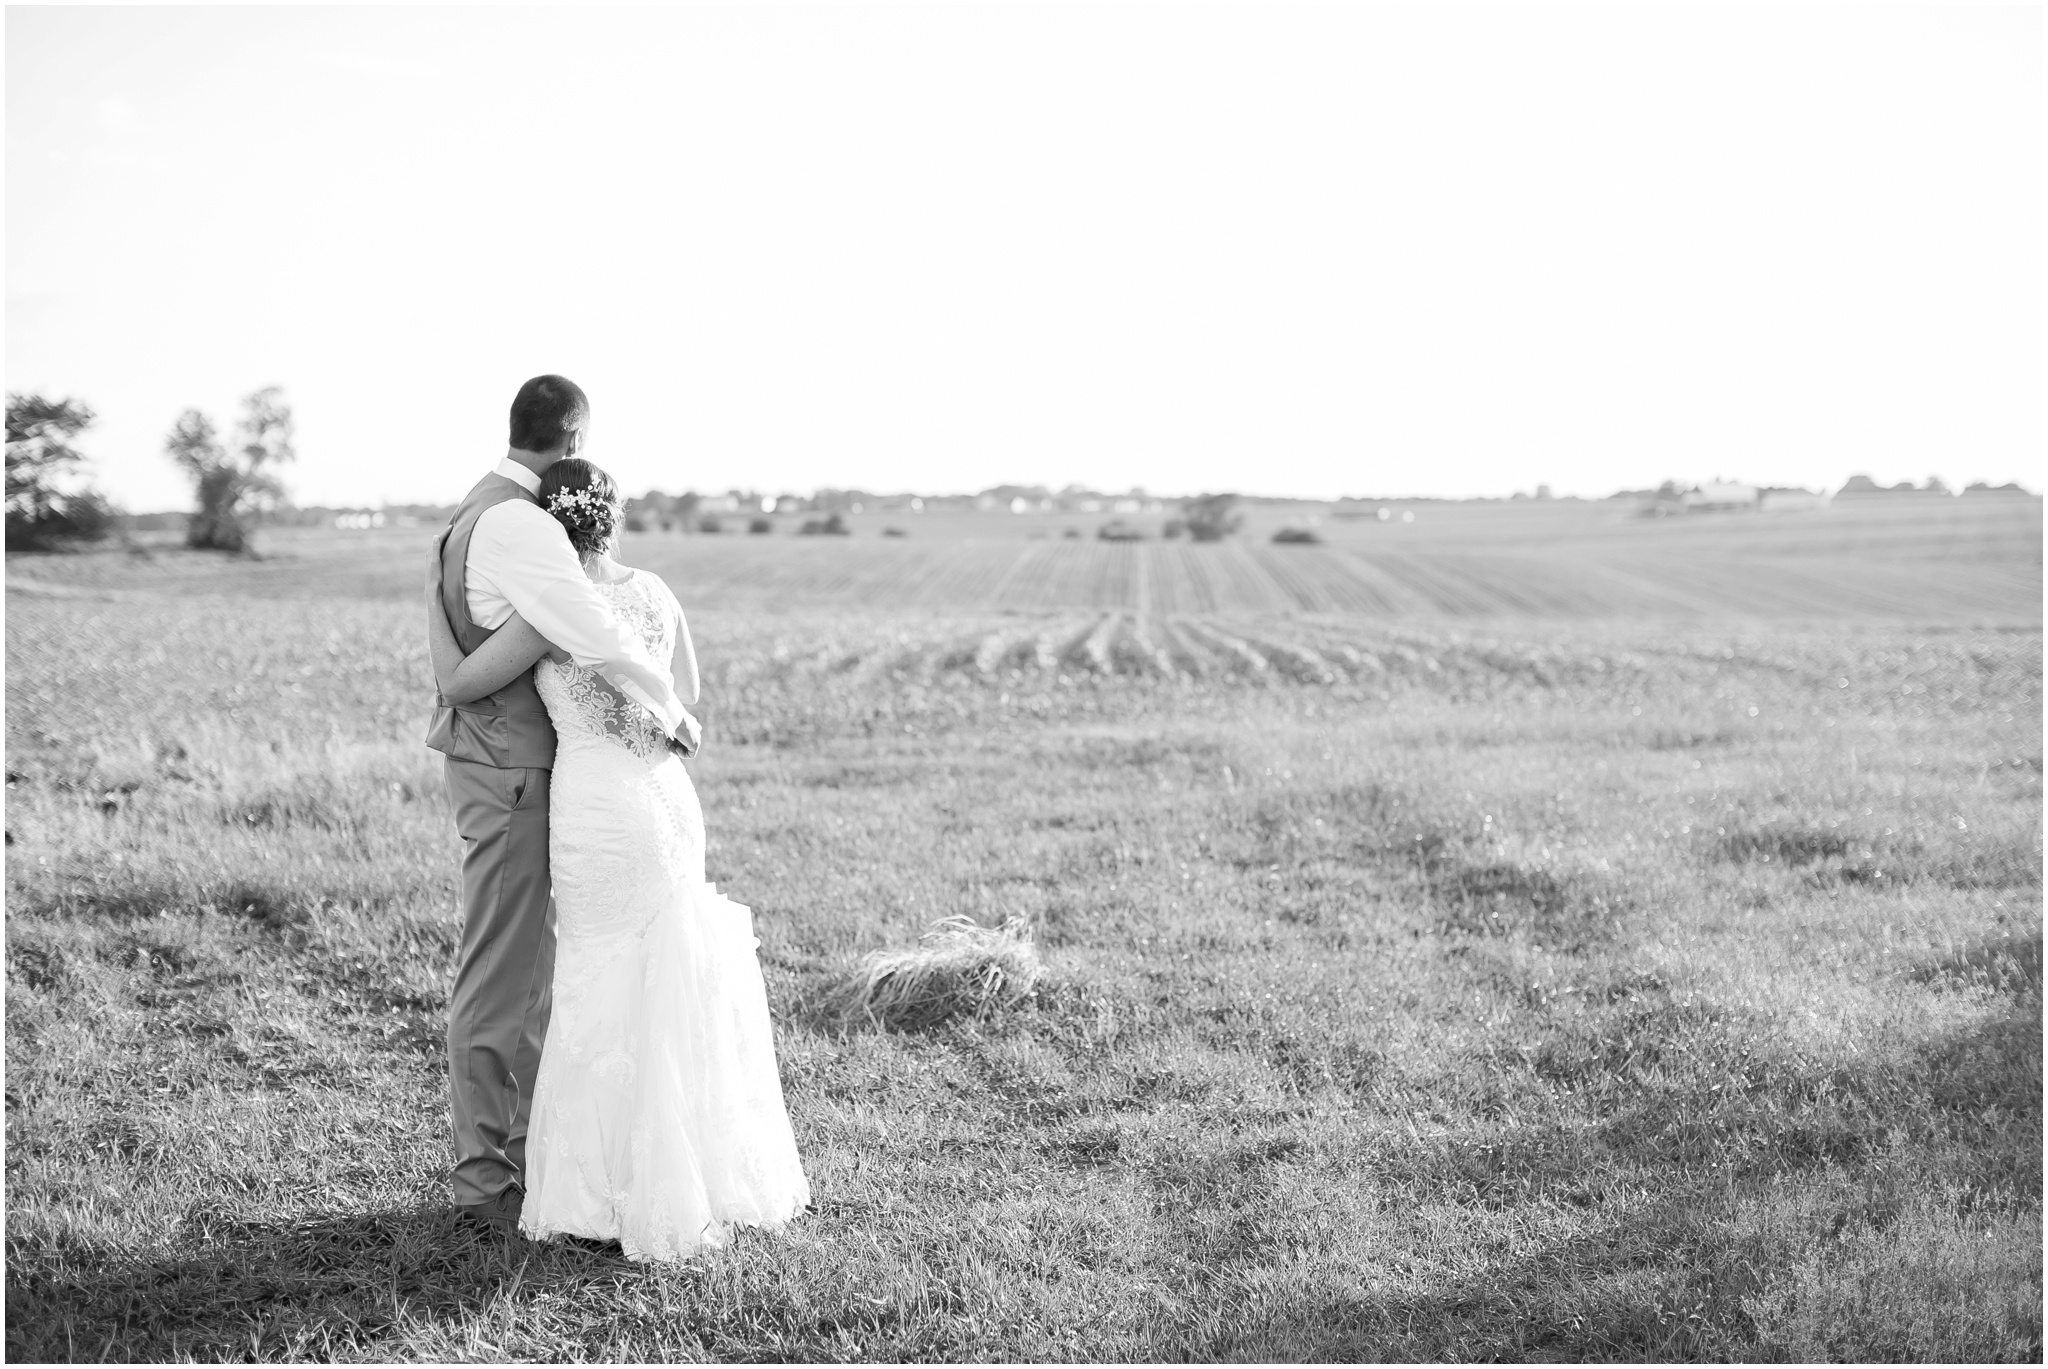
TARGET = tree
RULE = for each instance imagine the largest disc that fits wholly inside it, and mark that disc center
(41, 462)
(232, 489)
(1211, 517)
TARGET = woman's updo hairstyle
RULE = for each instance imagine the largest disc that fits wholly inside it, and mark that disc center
(584, 500)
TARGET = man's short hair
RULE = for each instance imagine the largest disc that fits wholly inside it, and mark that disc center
(545, 411)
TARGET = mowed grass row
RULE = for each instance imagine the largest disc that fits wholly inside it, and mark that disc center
(1537, 995)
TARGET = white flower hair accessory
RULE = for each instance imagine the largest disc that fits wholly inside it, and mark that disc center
(582, 505)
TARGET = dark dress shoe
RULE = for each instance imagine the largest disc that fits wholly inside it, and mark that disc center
(499, 1212)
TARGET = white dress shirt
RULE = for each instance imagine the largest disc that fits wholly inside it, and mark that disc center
(520, 561)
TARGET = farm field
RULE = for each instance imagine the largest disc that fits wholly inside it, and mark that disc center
(1974, 560)
(1562, 939)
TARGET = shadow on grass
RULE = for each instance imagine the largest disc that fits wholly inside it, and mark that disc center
(2005, 964)
(1766, 1178)
(1447, 866)
(280, 905)
(1657, 1285)
(322, 1287)
(1830, 856)
(1702, 1273)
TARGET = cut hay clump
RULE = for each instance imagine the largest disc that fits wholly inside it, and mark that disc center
(959, 969)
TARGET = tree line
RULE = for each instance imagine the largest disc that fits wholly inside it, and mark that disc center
(50, 504)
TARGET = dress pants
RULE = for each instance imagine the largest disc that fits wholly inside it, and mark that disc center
(498, 1014)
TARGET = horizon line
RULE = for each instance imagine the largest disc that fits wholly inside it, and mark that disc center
(1523, 496)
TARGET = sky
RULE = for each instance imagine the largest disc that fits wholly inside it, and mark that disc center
(1314, 251)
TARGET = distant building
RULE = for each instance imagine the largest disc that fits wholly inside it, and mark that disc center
(1006, 496)
(1780, 499)
(839, 501)
(1721, 494)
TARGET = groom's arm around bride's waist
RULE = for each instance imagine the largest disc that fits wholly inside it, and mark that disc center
(525, 556)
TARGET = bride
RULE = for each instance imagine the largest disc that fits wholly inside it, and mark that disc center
(657, 1116)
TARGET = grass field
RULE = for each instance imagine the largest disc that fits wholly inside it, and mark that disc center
(1550, 939)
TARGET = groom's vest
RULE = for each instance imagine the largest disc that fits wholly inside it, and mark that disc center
(508, 729)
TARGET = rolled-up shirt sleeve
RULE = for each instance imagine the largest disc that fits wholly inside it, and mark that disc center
(538, 574)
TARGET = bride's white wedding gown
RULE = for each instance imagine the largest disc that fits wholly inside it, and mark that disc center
(657, 1118)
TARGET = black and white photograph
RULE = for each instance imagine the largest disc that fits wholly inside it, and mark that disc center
(1040, 682)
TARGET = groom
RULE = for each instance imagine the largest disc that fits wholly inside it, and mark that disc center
(503, 554)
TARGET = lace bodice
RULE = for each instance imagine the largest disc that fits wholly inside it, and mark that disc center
(586, 707)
